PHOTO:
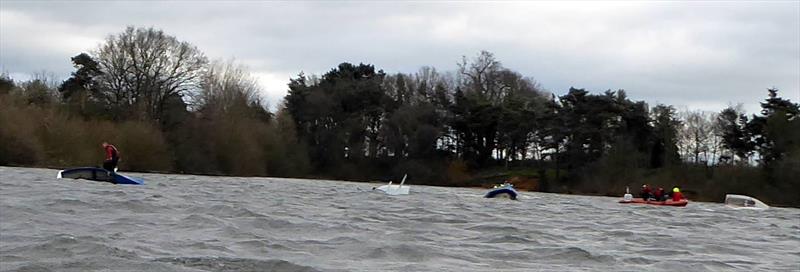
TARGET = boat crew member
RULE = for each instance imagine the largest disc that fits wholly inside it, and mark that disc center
(660, 195)
(646, 192)
(676, 194)
(112, 157)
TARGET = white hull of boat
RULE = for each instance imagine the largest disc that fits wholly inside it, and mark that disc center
(743, 202)
(394, 189)
(391, 189)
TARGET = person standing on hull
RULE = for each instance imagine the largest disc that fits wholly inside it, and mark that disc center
(112, 157)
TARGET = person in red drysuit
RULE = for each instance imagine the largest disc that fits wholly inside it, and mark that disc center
(112, 157)
(660, 195)
(646, 192)
(676, 194)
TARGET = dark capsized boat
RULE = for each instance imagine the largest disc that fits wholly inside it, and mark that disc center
(98, 174)
(504, 190)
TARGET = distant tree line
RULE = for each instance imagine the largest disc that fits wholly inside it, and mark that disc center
(161, 101)
(169, 108)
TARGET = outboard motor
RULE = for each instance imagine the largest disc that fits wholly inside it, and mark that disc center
(628, 196)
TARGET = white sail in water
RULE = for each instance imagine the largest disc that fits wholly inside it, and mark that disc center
(744, 202)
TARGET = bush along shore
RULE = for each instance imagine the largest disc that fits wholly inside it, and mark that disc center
(168, 108)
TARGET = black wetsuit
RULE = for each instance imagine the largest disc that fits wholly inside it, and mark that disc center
(646, 194)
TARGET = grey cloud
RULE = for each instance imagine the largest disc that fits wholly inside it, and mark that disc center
(698, 54)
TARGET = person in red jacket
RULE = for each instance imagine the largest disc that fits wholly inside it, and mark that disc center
(647, 193)
(660, 195)
(676, 194)
(112, 157)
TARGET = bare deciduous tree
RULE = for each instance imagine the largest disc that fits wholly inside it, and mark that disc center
(142, 67)
(483, 76)
(225, 86)
(698, 139)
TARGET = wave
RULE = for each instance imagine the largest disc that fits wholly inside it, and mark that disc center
(135, 206)
(639, 261)
(693, 265)
(224, 211)
(67, 246)
(69, 203)
(28, 267)
(573, 255)
(620, 233)
(513, 239)
(198, 220)
(225, 264)
(664, 252)
(208, 246)
(401, 252)
(450, 219)
(272, 223)
(262, 245)
(494, 228)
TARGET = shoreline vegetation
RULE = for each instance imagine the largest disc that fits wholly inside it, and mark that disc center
(169, 109)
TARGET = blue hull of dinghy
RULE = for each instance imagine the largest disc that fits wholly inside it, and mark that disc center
(496, 192)
(122, 179)
(99, 174)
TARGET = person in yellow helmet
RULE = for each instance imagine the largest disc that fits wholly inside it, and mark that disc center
(676, 194)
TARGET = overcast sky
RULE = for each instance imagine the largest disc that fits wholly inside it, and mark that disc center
(700, 55)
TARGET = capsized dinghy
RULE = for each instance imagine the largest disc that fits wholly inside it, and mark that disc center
(98, 174)
(390, 189)
(503, 190)
(744, 202)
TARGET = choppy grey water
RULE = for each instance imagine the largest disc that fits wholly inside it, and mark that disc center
(199, 223)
